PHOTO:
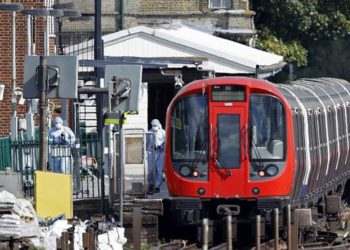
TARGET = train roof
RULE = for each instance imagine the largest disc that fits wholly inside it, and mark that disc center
(244, 81)
(316, 93)
(311, 93)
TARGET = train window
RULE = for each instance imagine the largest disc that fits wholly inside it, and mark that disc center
(323, 130)
(331, 124)
(189, 128)
(341, 121)
(348, 118)
(295, 128)
(317, 128)
(228, 132)
(311, 130)
(228, 93)
(267, 128)
(301, 132)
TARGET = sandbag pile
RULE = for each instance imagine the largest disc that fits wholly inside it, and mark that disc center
(10, 226)
(17, 217)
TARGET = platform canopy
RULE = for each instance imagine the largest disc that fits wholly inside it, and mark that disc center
(184, 42)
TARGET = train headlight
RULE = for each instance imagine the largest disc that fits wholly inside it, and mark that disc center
(271, 170)
(261, 173)
(185, 170)
(195, 173)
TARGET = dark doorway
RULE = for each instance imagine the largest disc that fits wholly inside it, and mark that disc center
(159, 97)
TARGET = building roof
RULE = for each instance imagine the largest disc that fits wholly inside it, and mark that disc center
(180, 41)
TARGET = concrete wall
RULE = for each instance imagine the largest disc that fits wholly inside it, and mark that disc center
(11, 182)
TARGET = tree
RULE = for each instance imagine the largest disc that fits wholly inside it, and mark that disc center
(290, 27)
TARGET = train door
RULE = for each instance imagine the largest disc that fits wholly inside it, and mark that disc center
(229, 149)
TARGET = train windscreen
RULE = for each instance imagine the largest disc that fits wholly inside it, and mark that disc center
(189, 128)
(267, 128)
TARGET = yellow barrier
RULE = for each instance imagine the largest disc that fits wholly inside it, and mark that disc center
(53, 194)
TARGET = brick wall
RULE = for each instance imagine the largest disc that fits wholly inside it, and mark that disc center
(110, 10)
(164, 6)
(157, 12)
(153, 13)
(6, 55)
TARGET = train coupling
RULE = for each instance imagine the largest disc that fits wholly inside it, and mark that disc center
(228, 210)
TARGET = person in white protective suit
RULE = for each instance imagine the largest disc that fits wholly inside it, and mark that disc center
(155, 148)
(61, 141)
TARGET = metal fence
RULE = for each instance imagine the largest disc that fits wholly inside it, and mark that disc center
(22, 156)
(82, 162)
(5, 153)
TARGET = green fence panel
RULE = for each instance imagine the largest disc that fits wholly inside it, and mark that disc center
(89, 144)
(22, 156)
(5, 154)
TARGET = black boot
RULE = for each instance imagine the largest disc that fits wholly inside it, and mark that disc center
(150, 189)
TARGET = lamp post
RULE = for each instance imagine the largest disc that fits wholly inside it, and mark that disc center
(13, 7)
(70, 14)
(67, 12)
(53, 13)
(42, 84)
(31, 51)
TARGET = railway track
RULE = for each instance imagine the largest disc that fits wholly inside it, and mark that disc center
(299, 235)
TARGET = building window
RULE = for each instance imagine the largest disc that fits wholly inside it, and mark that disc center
(220, 4)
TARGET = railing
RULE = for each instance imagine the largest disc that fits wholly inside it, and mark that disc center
(22, 156)
(82, 162)
(5, 153)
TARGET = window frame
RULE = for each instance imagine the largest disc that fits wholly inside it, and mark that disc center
(237, 121)
(173, 150)
(285, 142)
(224, 4)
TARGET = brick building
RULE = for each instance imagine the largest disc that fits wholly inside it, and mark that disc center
(21, 50)
(231, 19)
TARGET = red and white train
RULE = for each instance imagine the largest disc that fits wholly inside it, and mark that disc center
(246, 146)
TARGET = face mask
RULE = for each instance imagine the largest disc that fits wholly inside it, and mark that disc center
(58, 125)
(155, 128)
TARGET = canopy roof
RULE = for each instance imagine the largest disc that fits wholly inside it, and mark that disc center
(180, 41)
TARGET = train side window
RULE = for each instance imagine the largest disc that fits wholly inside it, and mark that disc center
(330, 124)
(339, 118)
(301, 131)
(322, 127)
(333, 122)
(348, 117)
(295, 129)
(317, 128)
(342, 121)
(311, 130)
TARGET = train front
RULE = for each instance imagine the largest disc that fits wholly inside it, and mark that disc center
(229, 138)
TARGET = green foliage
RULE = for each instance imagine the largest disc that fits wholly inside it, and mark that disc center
(291, 26)
(304, 20)
(292, 52)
